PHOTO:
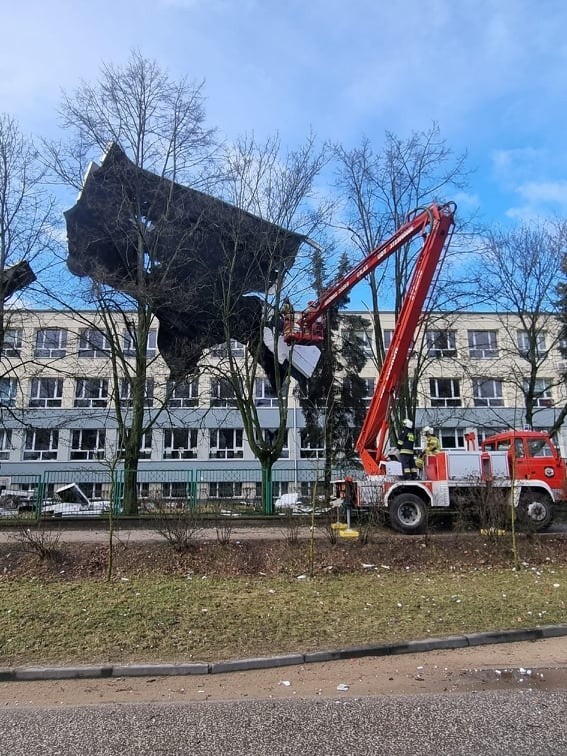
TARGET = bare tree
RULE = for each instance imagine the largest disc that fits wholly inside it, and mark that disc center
(379, 189)
(517, 273)
(278, 188)
(157, 136)
(27, 211)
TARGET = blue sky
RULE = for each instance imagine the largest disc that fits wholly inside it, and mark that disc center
(491, 73)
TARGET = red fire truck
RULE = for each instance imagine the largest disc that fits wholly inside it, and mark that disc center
(524, 463)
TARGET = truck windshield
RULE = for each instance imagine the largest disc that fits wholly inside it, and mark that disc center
(539, 448)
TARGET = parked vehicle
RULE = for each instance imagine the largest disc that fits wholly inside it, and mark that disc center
(16, 502)
(71, 501)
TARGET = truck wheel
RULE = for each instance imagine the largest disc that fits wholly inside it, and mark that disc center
(408, 513)
(535, 510)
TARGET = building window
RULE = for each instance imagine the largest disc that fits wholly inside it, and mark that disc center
(452, 438)
(530, 347)
(93, 343)
(312, 445)
(270, 435)
(8, 391)
(13, 339)
(225, 489)
(129, 344)
(542, 392)
(183, 393)
(388, 335)
(226, 443)
(264, 395)
(441, 343)
(221, 351)
(46, 392)
(91, 392)
(175, 489)
(41, 443)
(483, 345)
(145, 448)
(5, 443)
(91, 490)
(180, 443)
(222, 393)
(51, 342)
(126, 392)
(369, 385)
(487, 392)
(88, 443)
(445, 392)
(364, 341)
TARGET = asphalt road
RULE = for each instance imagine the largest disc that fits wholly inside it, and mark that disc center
(489, 723)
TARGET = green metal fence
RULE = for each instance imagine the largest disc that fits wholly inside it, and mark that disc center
(230, 488)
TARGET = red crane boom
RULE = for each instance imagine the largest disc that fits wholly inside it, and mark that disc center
(434, 223)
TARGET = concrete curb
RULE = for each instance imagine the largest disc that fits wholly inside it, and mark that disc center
(8, 674)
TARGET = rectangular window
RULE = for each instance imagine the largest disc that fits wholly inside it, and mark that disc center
(225, 490)
(264, 395)
(531, 347)
(364, 340)
(441, 343)
(51, 343)
(487, 392)
(145, 449)
(41, 443)
(226, 443)
(13, 339)
(8, 392)
(445, 392)
(180, 443)
(221, 350)
(312, 447)
(388, 334)
(452, 438)
(222, 393)
(93, 343)
(46, 392)
(542, 392)
(88, 443)
(91, 392)
(126, 393)
(184, 393)
(179, 490)
(5, 443)
(129, 343)
(270, 437)
(369, 388)
(483, 345)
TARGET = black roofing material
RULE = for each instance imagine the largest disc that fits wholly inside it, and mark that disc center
(202, 248)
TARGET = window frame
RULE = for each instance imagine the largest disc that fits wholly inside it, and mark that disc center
(479, 352)
(53, 398)
(46, 449)
(232, 446)
(50, 352)
(495, 400)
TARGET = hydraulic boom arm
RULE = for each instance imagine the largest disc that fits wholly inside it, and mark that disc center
(434, 223)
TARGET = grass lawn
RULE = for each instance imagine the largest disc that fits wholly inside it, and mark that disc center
(198, 618)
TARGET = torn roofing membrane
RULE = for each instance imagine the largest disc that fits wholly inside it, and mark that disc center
(193, 253)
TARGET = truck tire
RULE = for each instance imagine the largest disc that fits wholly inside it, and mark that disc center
(535, 510)
(408, 513)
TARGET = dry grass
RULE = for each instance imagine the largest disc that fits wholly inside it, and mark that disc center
(199, 617)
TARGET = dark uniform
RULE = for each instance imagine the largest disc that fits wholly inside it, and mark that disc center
(406, 444)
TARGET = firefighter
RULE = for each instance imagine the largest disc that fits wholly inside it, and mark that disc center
(288, 316)
(432, 445)
(406, 443)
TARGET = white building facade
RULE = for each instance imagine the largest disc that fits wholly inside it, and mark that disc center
(57, 417)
